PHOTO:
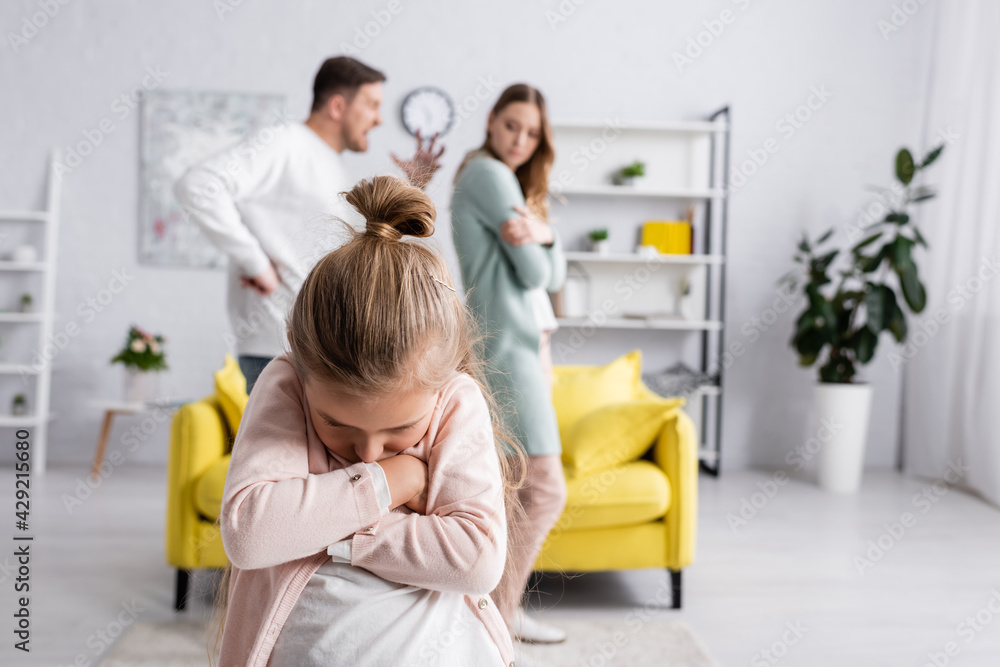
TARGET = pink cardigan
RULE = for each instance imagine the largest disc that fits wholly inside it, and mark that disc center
(287, 498)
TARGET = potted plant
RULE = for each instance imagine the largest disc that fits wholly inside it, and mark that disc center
(25, 303)
(599, 241)
(19, 406)
(143, 357)
(628, 174)
(847, 311)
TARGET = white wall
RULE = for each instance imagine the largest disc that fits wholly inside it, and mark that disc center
(603, 60)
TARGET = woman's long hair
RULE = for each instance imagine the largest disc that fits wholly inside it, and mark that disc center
(533, 175)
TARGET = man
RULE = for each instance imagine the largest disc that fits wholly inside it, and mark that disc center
(268, 202)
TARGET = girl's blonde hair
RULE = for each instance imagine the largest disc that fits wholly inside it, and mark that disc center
(380, 314)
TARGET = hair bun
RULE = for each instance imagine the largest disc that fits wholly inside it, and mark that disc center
(383, 230)
(392, 208)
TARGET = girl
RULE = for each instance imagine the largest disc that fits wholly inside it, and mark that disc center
(363, 512)
(509, 256)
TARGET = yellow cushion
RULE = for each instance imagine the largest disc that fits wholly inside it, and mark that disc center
(615, 434)
(623, 495)
(231, 390)
(208, 489)
(579, 390)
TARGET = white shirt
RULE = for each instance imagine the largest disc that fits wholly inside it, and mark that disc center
(273, 196)
(348, 616)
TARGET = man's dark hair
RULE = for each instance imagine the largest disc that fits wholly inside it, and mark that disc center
(342, 75)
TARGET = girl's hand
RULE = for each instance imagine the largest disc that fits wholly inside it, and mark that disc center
(407, 478)
(525, 229)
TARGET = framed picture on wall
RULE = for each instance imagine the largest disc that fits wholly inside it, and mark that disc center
(179, 129)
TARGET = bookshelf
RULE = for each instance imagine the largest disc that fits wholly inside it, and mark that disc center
(678, 295)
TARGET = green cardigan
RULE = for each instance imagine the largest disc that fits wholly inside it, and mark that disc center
(497, 277)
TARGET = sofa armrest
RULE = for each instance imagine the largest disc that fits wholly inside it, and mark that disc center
(676, 452)
(198, 439)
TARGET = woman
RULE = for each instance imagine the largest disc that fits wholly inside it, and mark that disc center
(509, 256)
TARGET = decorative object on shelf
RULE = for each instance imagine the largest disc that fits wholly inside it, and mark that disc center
(599, 241)
(429, 111)
(670, 237)
(843, 325)
(575, 292)
(24, 253)
(679, 380)
(630, 173)
(26, 303)
(648, 251)
(143, 357)
(19, 406)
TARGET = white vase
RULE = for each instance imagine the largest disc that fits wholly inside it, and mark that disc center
(141, 386)
(601, 247)
(843, 411)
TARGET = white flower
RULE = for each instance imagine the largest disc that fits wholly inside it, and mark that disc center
(154, 347)
(138, 346)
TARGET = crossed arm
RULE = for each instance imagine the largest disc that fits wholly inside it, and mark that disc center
(275, 510)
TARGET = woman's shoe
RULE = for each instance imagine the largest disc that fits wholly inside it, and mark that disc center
(527, 629)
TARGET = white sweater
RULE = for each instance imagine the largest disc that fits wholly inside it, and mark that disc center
(271, 197)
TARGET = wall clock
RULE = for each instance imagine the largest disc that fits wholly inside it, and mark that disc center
(429, 110)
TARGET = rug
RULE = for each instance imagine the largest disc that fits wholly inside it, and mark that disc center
(648, 642)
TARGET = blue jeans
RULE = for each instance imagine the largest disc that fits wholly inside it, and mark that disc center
(251, 367)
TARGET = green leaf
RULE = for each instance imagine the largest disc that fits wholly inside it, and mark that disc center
(898, 218)
(933, 155)
(822, 310)
(868, 241)
(871, 264)
(875, 307)
(913, 290)
(804, 243)
(919, 237)
(904, 166)
(897, 321)
(864, 345)
(827, 234)
(888, 306)
(923, 197)
(808, 345)
(901, 253)
(821, 263)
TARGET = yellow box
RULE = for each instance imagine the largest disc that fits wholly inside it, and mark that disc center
(671, 237)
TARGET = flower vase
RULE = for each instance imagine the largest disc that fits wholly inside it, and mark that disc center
(141, 386)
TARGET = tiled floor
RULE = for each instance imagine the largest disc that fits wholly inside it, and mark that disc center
(785, 588)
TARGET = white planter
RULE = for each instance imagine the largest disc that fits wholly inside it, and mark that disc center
(601, 247)
(141, 386)
(843, 411)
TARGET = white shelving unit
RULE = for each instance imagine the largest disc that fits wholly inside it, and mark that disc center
(686, 163)
(37, 422)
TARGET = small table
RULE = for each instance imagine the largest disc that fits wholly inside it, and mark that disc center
(112, 408)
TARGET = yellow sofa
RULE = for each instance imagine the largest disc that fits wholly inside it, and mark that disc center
(630, 504)
(201, 437)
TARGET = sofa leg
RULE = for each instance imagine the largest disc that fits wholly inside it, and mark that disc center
(675, 587)
(181, 590)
